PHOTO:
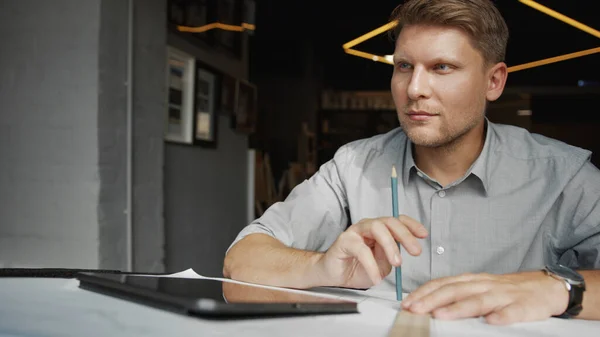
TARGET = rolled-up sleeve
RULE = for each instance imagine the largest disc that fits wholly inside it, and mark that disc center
(313, 214)
(579, 240)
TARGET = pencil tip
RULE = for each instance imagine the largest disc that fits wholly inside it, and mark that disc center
(394, 175)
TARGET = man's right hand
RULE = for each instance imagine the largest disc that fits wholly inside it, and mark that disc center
(365, 253)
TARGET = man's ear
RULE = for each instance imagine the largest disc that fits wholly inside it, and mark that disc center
(497, 76)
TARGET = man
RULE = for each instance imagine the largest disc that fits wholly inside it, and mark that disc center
(484, 207)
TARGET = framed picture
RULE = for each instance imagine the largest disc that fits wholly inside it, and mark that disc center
(180, 101)
(245, 113)
(205, 132)
(228, 92)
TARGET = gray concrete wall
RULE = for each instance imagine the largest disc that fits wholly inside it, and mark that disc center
(112, 134)
(149, 105)
(49, 178)
(147, 121)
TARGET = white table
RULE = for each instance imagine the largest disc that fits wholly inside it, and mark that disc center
(57, 307)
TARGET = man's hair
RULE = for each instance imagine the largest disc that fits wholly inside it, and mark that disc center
(478, 18)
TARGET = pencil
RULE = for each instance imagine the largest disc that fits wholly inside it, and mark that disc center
(395, 214)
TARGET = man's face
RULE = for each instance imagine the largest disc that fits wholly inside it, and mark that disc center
(439, 84)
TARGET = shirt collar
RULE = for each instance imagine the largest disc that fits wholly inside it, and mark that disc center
(478, 169)
(409, 162)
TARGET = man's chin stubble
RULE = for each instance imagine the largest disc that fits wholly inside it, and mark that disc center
(441, 142)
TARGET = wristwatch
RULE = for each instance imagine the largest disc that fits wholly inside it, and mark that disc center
(574, 283)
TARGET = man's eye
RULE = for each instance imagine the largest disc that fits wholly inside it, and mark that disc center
(443, 67)
(403, 65)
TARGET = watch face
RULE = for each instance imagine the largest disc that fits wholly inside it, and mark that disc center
(566, 273)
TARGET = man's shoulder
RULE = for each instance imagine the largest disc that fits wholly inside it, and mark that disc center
(519, 143)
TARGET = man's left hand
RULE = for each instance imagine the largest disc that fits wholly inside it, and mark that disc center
(501, 299)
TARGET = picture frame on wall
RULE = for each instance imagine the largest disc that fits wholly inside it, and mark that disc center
(245, 112)
(205, 130)
(180, 96)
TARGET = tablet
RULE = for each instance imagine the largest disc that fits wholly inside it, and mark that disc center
(212, 298)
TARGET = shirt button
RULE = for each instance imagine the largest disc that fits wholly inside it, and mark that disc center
(442, 194)
(440, 250)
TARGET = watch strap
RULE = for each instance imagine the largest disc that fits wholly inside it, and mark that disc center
(575, 302)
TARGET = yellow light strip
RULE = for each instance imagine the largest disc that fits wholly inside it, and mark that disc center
(200, 29)
(217, 25)
(347, 46)
(371, 57)
(554, 59)
(248, 26)
(377, 58)
(369, 35)
(561, 17)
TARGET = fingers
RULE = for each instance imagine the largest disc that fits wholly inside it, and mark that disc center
(382, 235)
(474, 306)
(356, 247)
(448, 294)
(432, 286)
(404, 237)
(384, 266)
(387, 233)
(396, 230)
(415, 227)
(404, 229)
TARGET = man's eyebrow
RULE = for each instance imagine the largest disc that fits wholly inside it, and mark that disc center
(397, 57)
(437, 60)
(446, 59)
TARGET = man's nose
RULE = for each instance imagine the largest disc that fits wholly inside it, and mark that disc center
(419, 86)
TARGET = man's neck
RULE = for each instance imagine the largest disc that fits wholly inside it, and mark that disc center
(448, 163)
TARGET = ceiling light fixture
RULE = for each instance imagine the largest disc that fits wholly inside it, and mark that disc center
(217, 25)
(388, 59)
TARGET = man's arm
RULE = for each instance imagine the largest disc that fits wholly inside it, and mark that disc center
(280, 246)
(359, 258)
(262, 259)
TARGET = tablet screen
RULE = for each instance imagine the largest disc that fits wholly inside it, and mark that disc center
(213, 297)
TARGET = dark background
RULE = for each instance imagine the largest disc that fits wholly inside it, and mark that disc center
(285, 27)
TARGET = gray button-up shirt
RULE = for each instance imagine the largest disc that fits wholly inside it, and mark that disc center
(526, 201)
